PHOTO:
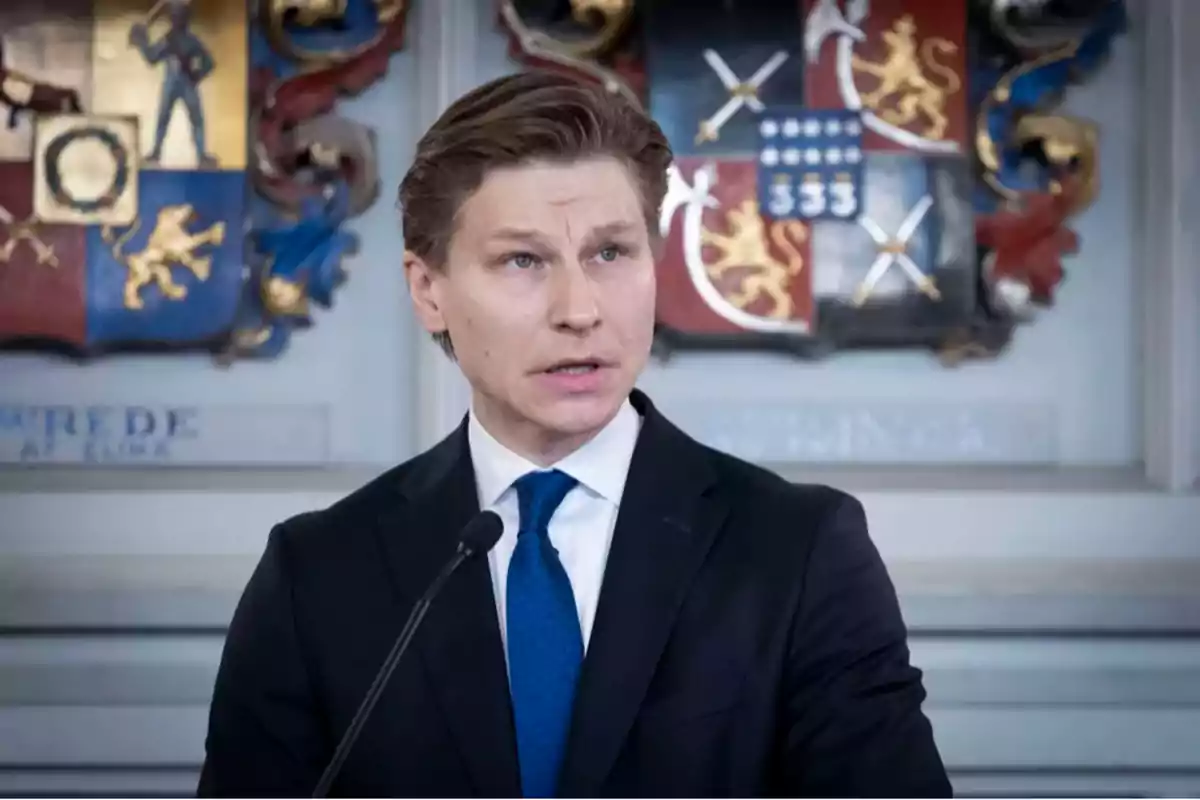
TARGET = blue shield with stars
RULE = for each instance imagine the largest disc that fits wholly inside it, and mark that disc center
(810, 164)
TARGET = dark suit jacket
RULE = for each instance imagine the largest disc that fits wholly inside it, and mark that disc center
(747, 642)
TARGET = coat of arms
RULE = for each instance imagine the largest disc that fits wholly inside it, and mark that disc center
(172, 174)
(850, 173)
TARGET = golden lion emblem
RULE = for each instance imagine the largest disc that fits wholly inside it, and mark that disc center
(747, 248)
(169, 244)
(902, 78)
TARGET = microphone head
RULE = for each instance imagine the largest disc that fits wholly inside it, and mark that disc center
(481, 534)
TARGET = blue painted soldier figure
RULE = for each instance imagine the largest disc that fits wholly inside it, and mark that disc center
(186, 62)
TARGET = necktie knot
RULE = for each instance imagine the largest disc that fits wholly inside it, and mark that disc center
(539, 494)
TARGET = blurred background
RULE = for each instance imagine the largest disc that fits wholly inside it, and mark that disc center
(1027, 447)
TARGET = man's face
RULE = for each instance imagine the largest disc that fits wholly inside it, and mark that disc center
(548, 296)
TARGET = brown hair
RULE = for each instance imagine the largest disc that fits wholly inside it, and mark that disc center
(534, 115)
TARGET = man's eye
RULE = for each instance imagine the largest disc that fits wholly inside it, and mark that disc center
(522, 260)
(612, 252)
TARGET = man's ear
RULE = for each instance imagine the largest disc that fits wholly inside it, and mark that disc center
(422, 279)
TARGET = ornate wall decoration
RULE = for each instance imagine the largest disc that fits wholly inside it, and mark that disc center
(173, 174)
(850, 173)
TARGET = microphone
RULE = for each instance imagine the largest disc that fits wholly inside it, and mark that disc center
(477, 538)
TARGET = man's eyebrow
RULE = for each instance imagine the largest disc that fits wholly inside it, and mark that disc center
(611, 229)
(520, 235)
(529, 236)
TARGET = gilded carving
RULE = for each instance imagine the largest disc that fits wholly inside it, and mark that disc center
(905, 90)
(170, 244)
(746, 249)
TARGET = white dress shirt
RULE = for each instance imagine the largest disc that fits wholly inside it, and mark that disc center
(582, 527)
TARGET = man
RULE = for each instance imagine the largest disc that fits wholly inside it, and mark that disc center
(186, 62)
(656, 619)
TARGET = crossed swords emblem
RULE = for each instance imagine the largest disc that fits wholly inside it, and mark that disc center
(893, 251)
(741, 93)
(24, 231)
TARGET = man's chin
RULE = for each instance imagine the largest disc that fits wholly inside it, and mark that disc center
(577, 415)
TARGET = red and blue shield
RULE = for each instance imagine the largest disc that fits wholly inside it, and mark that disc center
(171, 174)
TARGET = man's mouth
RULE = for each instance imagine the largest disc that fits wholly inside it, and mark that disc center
(574, 367)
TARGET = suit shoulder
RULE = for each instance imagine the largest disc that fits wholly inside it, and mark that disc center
(750, 484)
(357, 511)
(784, 528)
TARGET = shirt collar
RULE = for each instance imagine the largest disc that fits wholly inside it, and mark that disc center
(600, 465)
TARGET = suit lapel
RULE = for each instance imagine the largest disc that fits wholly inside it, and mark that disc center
(665, 526)
(459, 641)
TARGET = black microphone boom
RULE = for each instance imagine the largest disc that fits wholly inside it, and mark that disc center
(477, 538)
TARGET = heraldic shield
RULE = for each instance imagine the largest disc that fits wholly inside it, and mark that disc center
(849, 173)
(171, 173)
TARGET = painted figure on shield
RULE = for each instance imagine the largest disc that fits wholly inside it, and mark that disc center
(187, 62)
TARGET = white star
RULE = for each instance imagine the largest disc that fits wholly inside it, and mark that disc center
(791, 127)
(812, 155)
(833, 155)
(770, 156)
(769, 128)
(853, 155)
(833, 127)
(791, 156)
(812, 127)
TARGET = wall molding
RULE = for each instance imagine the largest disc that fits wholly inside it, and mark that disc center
(181, 782)
(1002, 561)
(1170, 242)
(981, 739)
(99, 782)
(163, 594)
(1006, 730)
(911, 524)
(1114, 782)
(970, 670)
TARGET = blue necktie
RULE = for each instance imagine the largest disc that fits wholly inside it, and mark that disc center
(545, 645)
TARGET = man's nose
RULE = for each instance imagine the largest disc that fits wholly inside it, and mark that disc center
(573, 299)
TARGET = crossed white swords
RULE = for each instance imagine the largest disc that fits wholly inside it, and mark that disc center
(741, 93)
(23, 231)
(893, 250)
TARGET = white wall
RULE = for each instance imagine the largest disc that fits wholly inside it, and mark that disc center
(1055, 609)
